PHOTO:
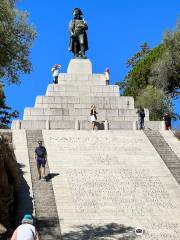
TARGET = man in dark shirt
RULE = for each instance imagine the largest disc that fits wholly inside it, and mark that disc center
(141, 116)
(41, 158)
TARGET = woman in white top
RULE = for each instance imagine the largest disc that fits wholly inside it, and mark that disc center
(26, 231)
(93, 116)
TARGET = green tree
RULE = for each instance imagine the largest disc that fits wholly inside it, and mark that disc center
(165, 73)
(16, 38)
(156, 101)
(138, 77)
(5, 112)
(137, 57)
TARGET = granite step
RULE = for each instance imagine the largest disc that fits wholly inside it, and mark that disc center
(82, 93)
(81, 88)
(80, 112)
(107, 101)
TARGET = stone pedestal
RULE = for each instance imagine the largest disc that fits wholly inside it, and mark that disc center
(80, 66)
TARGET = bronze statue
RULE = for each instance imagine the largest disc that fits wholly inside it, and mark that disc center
(78, 36)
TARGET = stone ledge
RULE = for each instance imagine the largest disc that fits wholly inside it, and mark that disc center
(85, 94)
(83, 123)
(129, 101)
(80, 77)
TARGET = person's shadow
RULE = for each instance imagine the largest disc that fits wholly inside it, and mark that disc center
(23, 199)
(51, 176)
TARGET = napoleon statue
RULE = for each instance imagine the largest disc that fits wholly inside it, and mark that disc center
(78, 36)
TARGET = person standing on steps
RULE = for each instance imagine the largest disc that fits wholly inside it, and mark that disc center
(93, 116)
(55, 72)
(167, 121)
(107, 75)
(41, 159)
(26, 231)
(141, 116)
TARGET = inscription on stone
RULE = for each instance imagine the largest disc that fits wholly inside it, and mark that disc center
(121, 191)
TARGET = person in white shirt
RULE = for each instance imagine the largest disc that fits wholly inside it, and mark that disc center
(107, 75)
(26, 231)
(55, 72)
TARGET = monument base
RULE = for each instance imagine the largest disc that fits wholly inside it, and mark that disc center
(80, 66)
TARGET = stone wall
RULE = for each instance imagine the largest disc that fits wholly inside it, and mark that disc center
(8, 182)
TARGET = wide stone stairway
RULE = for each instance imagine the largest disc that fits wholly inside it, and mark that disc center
(101, 185)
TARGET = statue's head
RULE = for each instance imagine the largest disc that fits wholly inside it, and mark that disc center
(77, 12)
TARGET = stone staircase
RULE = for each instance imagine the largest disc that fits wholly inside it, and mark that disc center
(44, 201)
(70, 101)
(109, 184)
(167, 154)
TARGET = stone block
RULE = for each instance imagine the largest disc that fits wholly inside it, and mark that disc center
(82, 82)
(154, 125)
(50, 99)
(62, 77)
(16, 124)
(53, 112)
(110, 102)
(31, 124)
(79, 94)
(81, 88)
(39, 99)
(120, 125)
(82, 77)
(79, 66)
(33, 111)
(99, 77)
(112, 112)
(108, 89)
(62, 124)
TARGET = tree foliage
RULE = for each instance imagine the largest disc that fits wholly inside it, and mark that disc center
(5, 112)
(154, 75)
(138, 76)
(16, 38)
(156, 101)
(137, 57)
(165, 72)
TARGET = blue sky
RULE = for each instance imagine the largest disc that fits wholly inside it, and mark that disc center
(116, 30)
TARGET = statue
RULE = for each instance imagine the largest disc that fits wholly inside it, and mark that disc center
(78, 36)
